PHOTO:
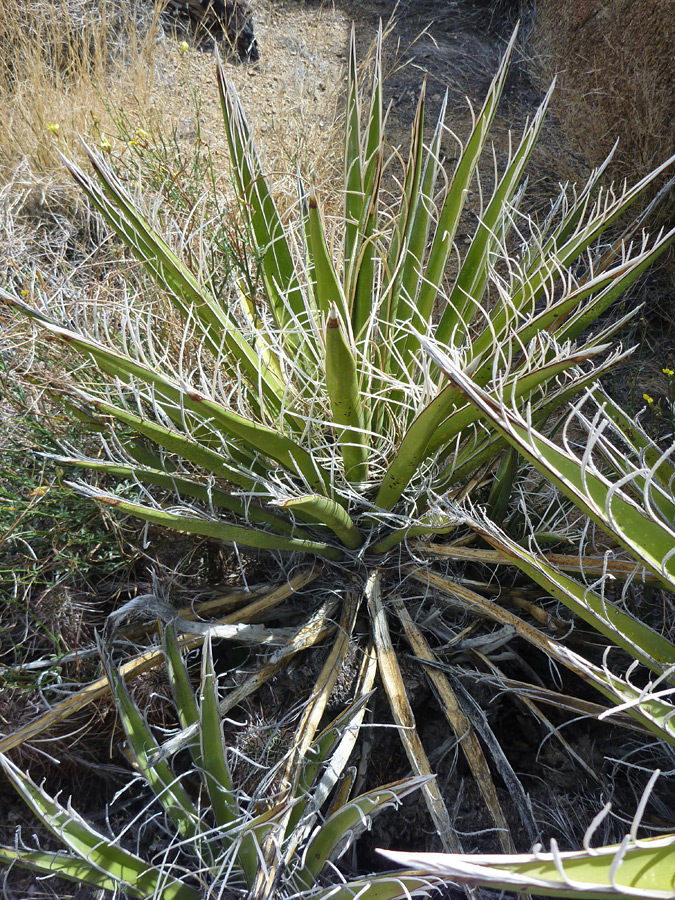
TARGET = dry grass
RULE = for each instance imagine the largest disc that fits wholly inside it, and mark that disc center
(615, 82)
(64, 63)
(142, 86)
(105, 70)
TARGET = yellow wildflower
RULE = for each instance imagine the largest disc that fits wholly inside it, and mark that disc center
(106, 146)
(183, 49)
(650, 400)
(54, 127)
(668, 372)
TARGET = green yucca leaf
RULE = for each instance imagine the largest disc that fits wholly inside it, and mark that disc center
(119, 210)
(648, 704)
(482, 450)
(661, 470)
(94, 851)
(353, 204)
(565, 216)
(342, 386)
(328, 512)
(454, 203)
(158, 774)
(467, 292)
(642, 869)
(174, 442)
(502, 487)
(400, 886)
(360, 276)
(647, 482)
(65, 866)
(218, 327)
(447, 417)
(412, 450)
(371, 160)
(405, 220)
(215, 771)
(242, 535)
(617, 284)
(362, 301)
(310, 268)
(259, 209)
(183, 695)
(519, 388)
(412, 271)
(349, 821)
(327, 288)
(623, 629)
(648, 540)
(569, 315)
(436, 525)
(254, 436)
(186, 487)
(534, 281)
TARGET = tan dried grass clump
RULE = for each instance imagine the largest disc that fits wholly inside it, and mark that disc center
(615, 80)
(63, 63)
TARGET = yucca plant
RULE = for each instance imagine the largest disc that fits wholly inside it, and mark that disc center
(308, 411)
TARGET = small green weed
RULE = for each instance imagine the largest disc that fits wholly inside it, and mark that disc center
(53, 547)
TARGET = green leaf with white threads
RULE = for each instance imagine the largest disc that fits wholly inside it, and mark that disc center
(213, 528)
(209, 495)
(448, 222)
(328, 512)
(348, 822)
(397, 886)
(258, 206)
(159, 776)
(644, 869)
(353, 208)
(342, 385)
(647, 539)
(170, 273)
(327, 287)
(255, 436)
(93, 848)
(216, 771)
(467, 291)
